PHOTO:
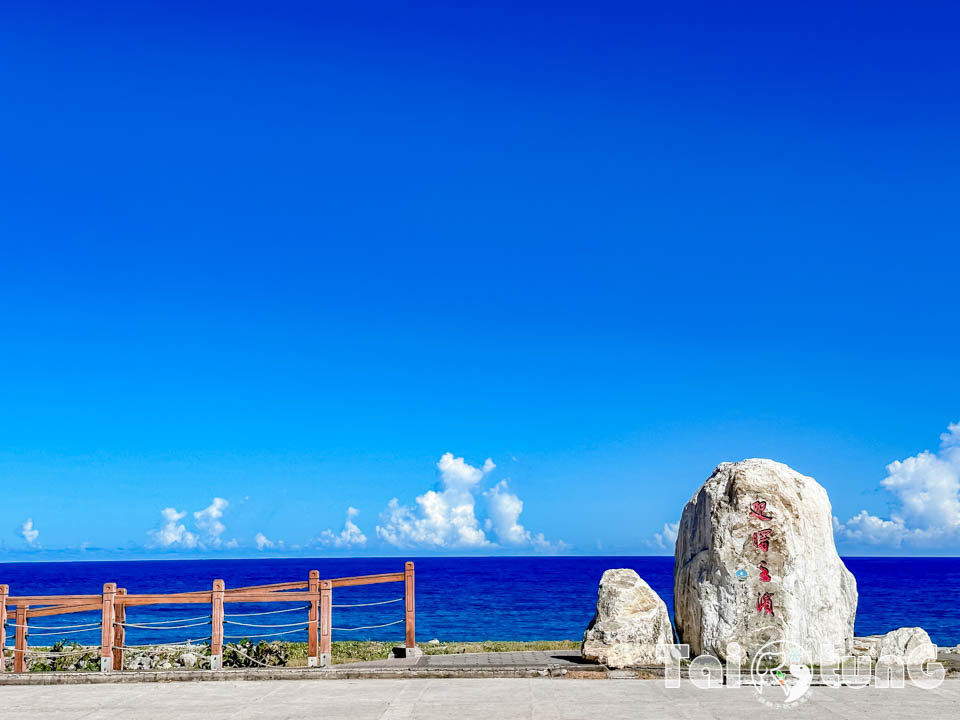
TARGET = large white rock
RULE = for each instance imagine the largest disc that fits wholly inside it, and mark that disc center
(810, 600)
(630, 622)
(911, 644)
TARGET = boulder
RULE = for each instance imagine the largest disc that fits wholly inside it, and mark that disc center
(755, 562)
(909, 643)
(188, 660)
(630, 622)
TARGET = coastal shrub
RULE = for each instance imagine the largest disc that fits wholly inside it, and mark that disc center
(77, 657)
(244, 654)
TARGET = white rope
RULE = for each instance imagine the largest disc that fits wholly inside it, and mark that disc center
(384, 602)
(33, 634)
(269, 612)
(161, 646)
(53, 627)
(153, 627)
(245, 637)
(297, 624)
(178, 620)
(28, 651)
(369, 627)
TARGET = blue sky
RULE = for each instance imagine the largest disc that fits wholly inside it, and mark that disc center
(262, 265)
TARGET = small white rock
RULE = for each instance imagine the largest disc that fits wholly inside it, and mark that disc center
(630, 622)
(909, 643)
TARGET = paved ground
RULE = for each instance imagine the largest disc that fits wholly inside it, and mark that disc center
(530, 699)
(538, 659)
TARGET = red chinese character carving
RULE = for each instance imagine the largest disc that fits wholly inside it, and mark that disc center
(764, 573)
(759, 509)
(765, 604)
(762, 539)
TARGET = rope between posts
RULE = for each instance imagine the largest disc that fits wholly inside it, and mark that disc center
(152, 627)
(161, 646)
(33, 634)
(53, 654)
(52, 627)
(178, 620)
(297, 624)
(268, 612)
(245, 637)
(369, 627)
(384, 602)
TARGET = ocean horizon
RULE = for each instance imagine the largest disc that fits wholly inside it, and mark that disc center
(473, 598)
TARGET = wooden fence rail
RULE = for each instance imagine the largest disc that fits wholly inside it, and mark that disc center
(113, 602)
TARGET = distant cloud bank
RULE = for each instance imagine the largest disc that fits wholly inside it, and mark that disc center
(468, 512)
(459, 515)
(925, 492)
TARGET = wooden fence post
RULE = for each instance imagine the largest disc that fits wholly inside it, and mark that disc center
(20, 644)
(119, 632)
(4, 591)
(409, 606)
(216, 622)
(106, 627)
(313, 630)
(326, 622)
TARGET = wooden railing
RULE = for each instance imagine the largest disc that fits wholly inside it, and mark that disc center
(114, 601)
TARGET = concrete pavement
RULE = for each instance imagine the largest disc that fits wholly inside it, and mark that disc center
(530, 699)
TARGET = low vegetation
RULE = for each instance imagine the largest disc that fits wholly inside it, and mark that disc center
(345, 652)
(275, 654)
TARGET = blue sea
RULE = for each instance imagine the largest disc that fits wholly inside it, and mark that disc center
(474, 598)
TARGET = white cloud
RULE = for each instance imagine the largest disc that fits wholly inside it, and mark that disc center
(456, 473)
(444, 519)
(173, 533)
(447, 518)
(926, 493)
(864, 527)
(350, 536)
(208, 521)
(263, 542)
(503, 510)
(503, 515)
(666, 538)
(207, 532)
(28, 532)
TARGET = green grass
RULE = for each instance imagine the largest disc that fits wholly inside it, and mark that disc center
(363, 651)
